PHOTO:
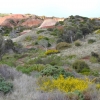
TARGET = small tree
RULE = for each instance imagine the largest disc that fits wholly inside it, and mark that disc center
(44, 43)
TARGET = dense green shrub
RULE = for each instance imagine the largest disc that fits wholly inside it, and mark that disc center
(61, 22)
(40, 31)
(54, 71)
(50, 29)
(94, 54)
(77, 43)
(52, 60)
(78, 34)
(5, 86)
(53, 33)
(62, 45)
(28, 38)
(80, 66)
(93, 59)
(28, 70)
(90, 41)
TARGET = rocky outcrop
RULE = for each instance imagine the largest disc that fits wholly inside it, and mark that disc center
(13, 20)
(20, 20)
(31, 22)
(50, 23)
(14, 17)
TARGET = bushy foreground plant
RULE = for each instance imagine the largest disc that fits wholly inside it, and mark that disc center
(81, 67)
(52, 51)
(5, 86)
(54, 71)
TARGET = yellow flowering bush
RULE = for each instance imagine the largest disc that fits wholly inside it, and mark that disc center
(40, 37)
(51, 51)
(97, 31)
(69, 84)
(98, 86)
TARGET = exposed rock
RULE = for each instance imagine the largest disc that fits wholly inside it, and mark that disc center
(50, 22)
(14, 17)
(31, 22)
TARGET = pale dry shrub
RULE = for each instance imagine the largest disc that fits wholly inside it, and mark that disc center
(9, 73)
(52, 96)
(91, 93)
(24, 88)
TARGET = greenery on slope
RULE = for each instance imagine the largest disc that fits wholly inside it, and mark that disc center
(60, 61)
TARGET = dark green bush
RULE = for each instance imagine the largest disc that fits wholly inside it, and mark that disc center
(55, 71)
(50, 29)
(93, 59)
(80, 66)
(90, 41)
(28, 70)
(53, 33)
(77, 43)
(61, 22)
(62, 45)
(36, 43)
(94, 54)
(40, 31)
(5, 86)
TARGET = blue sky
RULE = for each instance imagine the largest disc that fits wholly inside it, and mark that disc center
(58, 8)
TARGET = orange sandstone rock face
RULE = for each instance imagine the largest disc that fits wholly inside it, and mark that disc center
(11, 20)
(16, 20)
(13, 17)
(28, 21)
(32, 22)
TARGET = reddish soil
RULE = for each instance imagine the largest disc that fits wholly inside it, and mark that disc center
(32, 22)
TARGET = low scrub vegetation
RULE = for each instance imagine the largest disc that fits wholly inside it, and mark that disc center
(77, 43)
(81, 67)
(29, 69)
(62, 45)
(90, 41)
(28, 38)
(40, 31)
(54, 71)
(49, 65)
(5, 86)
